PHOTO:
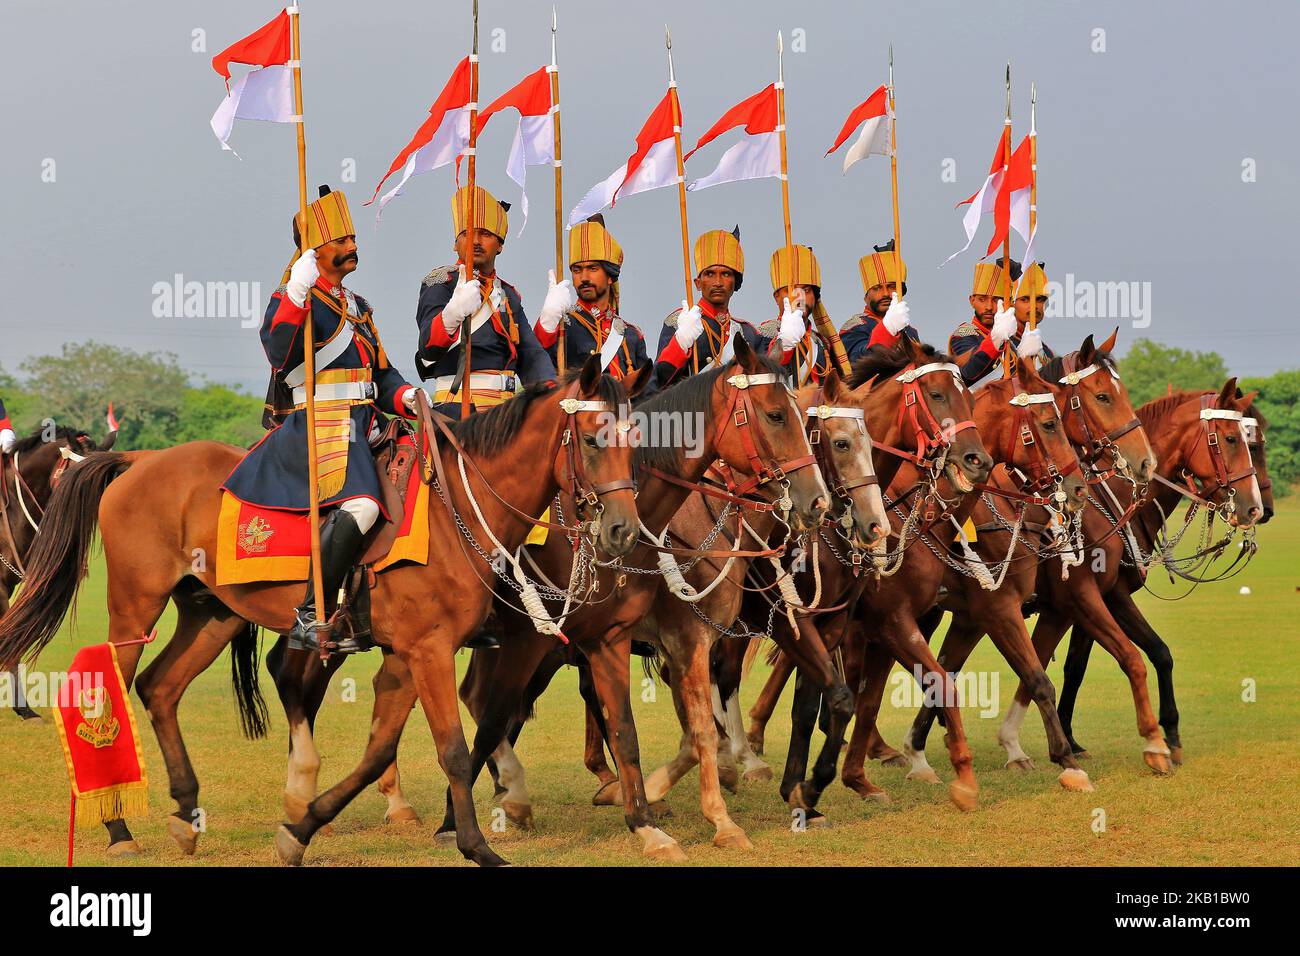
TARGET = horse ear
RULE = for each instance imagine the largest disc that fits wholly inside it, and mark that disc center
(1109, 345)
(108, 442)
(1029, 374)
(745, 355)
(1245, 401)
(1086, 352)
(639, 380)
(914, 349)
(1227, 395)
(832, 386)
(590, 375)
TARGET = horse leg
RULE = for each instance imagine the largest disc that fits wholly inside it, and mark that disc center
(593, 747)
(609, 659)
(1128, 616)
(197, 642)
(961, 639)
(803, 720)
(1007, 630)
(877, 661)
(877, 748)
(1076, 666)
(765, 705)
(751, 765)
(913, 652)
(301, 679)
(664, 778)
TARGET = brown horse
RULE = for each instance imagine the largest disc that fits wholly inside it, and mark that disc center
(1025, 540)
(1147, 524)
(154, 508)
(27, 478)
(1214, 453)
(744, 418)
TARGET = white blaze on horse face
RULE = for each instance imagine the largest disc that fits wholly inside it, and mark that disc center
(874, 512)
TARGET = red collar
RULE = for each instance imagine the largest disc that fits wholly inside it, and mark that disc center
(980, 325)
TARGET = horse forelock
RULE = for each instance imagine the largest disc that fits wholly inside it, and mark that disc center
(882, 360)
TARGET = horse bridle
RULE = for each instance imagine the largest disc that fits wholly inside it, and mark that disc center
(1255, 439)
(763, 463)
(1042, 474)
(1095, 447)
(1223, 479)
(932, 439)
(841, 487)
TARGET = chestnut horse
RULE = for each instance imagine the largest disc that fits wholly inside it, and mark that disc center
(154, 508)
(27, 478)
(1147, 523)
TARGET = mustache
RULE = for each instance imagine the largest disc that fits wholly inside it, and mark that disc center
(350, 257)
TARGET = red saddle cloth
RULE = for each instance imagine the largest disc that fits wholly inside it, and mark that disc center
(257, 544)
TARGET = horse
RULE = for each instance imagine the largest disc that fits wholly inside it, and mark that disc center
(744, 418)
(999, 537)
(154, 507)
(27, 478)
(1147, 524)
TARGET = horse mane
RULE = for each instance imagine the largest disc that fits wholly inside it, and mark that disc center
(37, 438)
(688, 397)
(881, 360)
(489, 432)
(1154, 413)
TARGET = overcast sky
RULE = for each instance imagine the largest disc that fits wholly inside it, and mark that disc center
(1142, 153)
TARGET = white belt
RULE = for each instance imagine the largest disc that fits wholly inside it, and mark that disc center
(485, 380)
(337, 392)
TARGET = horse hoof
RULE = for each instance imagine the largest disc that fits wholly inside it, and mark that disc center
(660, 846)
(1175, 755)
(287, 847)
(1076, 780)
(817, 821)
(924, 775)
(732, 840)
(1021, 763)
(878, 796)
(445, 838)
(1082, 755)
(519, 814)
(661, 810)
(610, 794)
(755, 774)
(125, 848)
(894, 760)
(404, 814)
(963, 795)
(1158, 762)
(183, 833)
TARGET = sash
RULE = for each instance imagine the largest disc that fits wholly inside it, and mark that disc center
(609, 350)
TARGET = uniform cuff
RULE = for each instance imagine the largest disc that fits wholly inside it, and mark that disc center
(673, 353)
(882, 336)
(988, 348)
(288, 311)
(399, 401)
(547, 339)
(438, 336)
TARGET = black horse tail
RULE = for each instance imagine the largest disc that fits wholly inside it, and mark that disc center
(245, 658)
(59, 557)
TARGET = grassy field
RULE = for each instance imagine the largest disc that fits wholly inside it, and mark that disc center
(1232, 803)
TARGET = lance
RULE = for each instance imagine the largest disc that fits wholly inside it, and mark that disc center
(893, 165)
(308, 342)
(1006, 240)
(1033, 187)
(824, 326)
(681, 184)
(559, 186)
(471, 222)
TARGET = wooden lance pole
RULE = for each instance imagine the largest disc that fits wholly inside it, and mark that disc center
(824, 326)
(471, 223)
(893, 165)
(1033, 187)
(559, 187)
(681, 186)
(308, 342)
(1006, 241)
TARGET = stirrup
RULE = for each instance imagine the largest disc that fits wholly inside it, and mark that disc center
(304, 636)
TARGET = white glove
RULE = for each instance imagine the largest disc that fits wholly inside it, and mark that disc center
(7, 440)
(302, 277)
(792, 327)
(1004, 325)
(409, 399)
(560, 298)
(690, 323)
(897, 317)
(464, 302)
(1031, 344)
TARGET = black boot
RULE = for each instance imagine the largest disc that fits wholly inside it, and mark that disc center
(488, 637)
(340, 542)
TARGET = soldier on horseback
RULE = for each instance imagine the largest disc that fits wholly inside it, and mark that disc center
(592, 325)
(7, 437)
(977, 345)
(886, 317)
(504, 350)
(356, 386)
(693, 339)
(793, 339)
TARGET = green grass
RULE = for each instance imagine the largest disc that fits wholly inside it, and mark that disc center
(1233, 802)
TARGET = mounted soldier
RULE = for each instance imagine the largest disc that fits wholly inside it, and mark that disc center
(356, 387)
(885, 317)
(592, 325)
(977, 345)
(793, 339)
(7, 437)
(694, 339)
(504, 351)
